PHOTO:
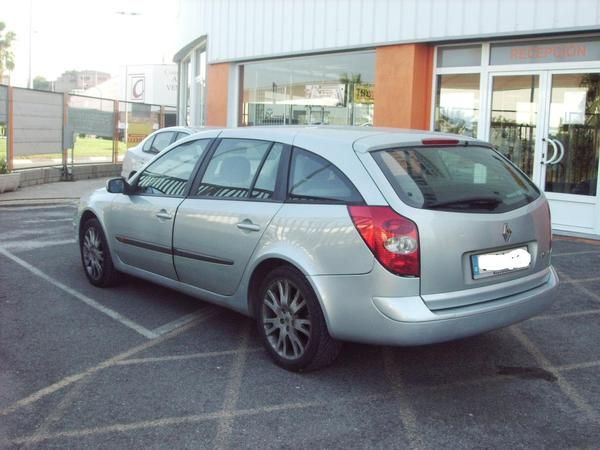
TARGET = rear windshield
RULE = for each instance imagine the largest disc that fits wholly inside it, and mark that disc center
(457, 178)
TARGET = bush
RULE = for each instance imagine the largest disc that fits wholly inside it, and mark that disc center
(3, 166)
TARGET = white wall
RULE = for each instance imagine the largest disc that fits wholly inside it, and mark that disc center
(246, 29)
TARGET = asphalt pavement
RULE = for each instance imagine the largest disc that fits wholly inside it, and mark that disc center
(141, 366)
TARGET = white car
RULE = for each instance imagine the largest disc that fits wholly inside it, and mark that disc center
(153, 144)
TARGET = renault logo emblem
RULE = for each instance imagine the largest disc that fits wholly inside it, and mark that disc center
(506, 232)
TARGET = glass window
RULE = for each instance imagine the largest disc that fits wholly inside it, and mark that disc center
(169, 174)
(161, 141)
(460, 178)
(513, 124)
(264, 187)
(460, 56)
(574, 128)
(232, 168)
(457, 104)
(148, 144)
(327, 89)
(180, 135)
(314, 179)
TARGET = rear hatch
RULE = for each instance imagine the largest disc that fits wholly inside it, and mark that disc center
(484, 228)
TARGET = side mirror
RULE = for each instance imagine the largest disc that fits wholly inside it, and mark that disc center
(117, 186)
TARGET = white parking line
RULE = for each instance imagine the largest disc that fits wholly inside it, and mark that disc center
(69, 380)
(566, 387)
(582, 252)
(83, 298)
(20, 208)
(31, 244)
(287, 408)
(68, 219)
(232, 391)
(579, 287)
(179, 322)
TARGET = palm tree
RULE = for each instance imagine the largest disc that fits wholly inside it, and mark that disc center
(7, 59)
(350, 81)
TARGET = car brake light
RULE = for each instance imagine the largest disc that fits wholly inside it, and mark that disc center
(393, 239)
(440, 141)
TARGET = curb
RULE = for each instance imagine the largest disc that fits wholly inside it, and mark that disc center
(38, 201)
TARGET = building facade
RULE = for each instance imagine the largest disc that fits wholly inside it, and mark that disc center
(79, 80)
(522, 74)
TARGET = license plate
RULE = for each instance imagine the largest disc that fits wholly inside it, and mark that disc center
(497, 263)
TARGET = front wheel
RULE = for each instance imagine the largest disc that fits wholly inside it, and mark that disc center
(95, 255)
(291, 323)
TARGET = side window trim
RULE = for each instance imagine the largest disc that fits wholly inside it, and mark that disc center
(258, 169)
(197, 178)
(204, 159)
(345, 179)
(283, 174)
(191, 179)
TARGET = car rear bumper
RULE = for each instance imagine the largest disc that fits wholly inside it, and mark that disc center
(353, 314)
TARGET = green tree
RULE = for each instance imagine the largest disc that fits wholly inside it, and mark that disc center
(350, 80)
(41, 83)
(7, 58)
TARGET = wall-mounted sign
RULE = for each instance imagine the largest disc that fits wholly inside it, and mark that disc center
(331, 94)
(137, 88)
(545, 51)
(363, 93)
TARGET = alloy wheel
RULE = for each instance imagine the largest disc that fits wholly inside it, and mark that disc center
(286, 319)
(93, 253)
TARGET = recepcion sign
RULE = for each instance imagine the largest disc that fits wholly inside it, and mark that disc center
(546, 51)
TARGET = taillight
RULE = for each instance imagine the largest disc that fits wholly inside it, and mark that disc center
(393, 239)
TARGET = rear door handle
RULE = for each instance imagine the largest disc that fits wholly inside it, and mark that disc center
(163, 214)
(247, 225)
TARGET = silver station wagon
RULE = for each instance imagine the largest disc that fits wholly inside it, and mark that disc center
(328, 234)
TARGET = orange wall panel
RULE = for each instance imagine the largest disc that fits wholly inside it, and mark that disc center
(217, 82)
(403, 86)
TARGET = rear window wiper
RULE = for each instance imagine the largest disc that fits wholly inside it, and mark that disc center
(467, 203)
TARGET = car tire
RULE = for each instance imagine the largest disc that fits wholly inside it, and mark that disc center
(291, 324)
(95, 255)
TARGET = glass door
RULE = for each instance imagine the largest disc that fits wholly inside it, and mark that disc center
(515, 120)
(548, 124)
(572, 143)
(573, 132)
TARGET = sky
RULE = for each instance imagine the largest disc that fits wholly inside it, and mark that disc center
(102, 35)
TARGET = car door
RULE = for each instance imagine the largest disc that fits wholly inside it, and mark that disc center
(218, 227)
(140, 225)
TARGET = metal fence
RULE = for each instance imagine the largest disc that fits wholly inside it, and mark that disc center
(42, 129)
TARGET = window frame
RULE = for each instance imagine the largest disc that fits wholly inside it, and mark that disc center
(345, 178)
(280, 183)
(192, 177)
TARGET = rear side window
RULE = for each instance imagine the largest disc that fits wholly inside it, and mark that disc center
(461, 178)
(314, 179)
(161, 141)
(180, 135)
